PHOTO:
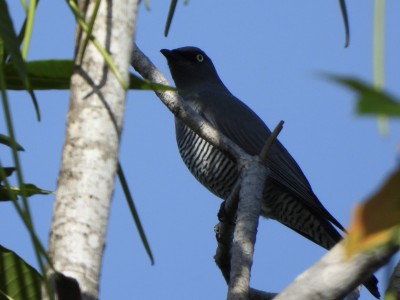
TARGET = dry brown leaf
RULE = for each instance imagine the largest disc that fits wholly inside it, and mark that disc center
(374, 222)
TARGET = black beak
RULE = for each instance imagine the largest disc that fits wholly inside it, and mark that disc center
(167, 53)
(171, 55)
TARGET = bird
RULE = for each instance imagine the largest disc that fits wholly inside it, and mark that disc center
(287, 197)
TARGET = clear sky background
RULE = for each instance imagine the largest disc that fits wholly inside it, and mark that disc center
(270, 55)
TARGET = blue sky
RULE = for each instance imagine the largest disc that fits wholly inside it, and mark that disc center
(270, 54)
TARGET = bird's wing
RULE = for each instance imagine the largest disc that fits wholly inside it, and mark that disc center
(239, 123)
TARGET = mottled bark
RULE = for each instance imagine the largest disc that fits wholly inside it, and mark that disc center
(89, 157)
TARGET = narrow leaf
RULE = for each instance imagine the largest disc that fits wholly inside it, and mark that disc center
(11, 43)
(28, 28)
(89, 30)
(18, 280)
(343, 10)
(137, 83)
(104, 52)
(11, 193)
(6, 172)
(56, 75)
(23, 210)
(370, 101)
(24, 27)
(171, 13)
(43, 74)
(134, 212)
(5, 140)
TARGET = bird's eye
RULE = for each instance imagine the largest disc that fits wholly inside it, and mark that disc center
(200, 58)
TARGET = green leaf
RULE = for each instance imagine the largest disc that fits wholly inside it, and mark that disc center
(343, 10)
(30, 13)
(11, 193)
(11, 43)
(89, 31)
(18, 280)
(56, 75)
(134, 213)
(32, 189)
(137, 83)
(171, 13)
(24, 27)
(370, 101)
(43, 74)
(6, 171)
(5, 140)
(80, 20)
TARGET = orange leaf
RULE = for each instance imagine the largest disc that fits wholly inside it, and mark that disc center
(374, 221)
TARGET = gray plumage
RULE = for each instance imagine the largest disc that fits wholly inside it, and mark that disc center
(288, 198)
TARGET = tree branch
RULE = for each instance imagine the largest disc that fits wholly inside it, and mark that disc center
(253, 178)
(335, 276)
(235, 268)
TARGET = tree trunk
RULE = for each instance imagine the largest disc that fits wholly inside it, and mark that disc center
(90, 153)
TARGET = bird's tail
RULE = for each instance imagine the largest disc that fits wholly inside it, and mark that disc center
(289, 211)
(372, 286)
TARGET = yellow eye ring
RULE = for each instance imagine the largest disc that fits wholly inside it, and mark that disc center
(200, 57)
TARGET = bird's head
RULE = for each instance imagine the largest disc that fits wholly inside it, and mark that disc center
(191, 68)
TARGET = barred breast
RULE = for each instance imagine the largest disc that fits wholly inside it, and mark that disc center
(213, 169)
(218, 173)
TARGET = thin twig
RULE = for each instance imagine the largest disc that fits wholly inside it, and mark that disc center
(271, 139)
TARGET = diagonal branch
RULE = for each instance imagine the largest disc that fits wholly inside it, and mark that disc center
(335, 276)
